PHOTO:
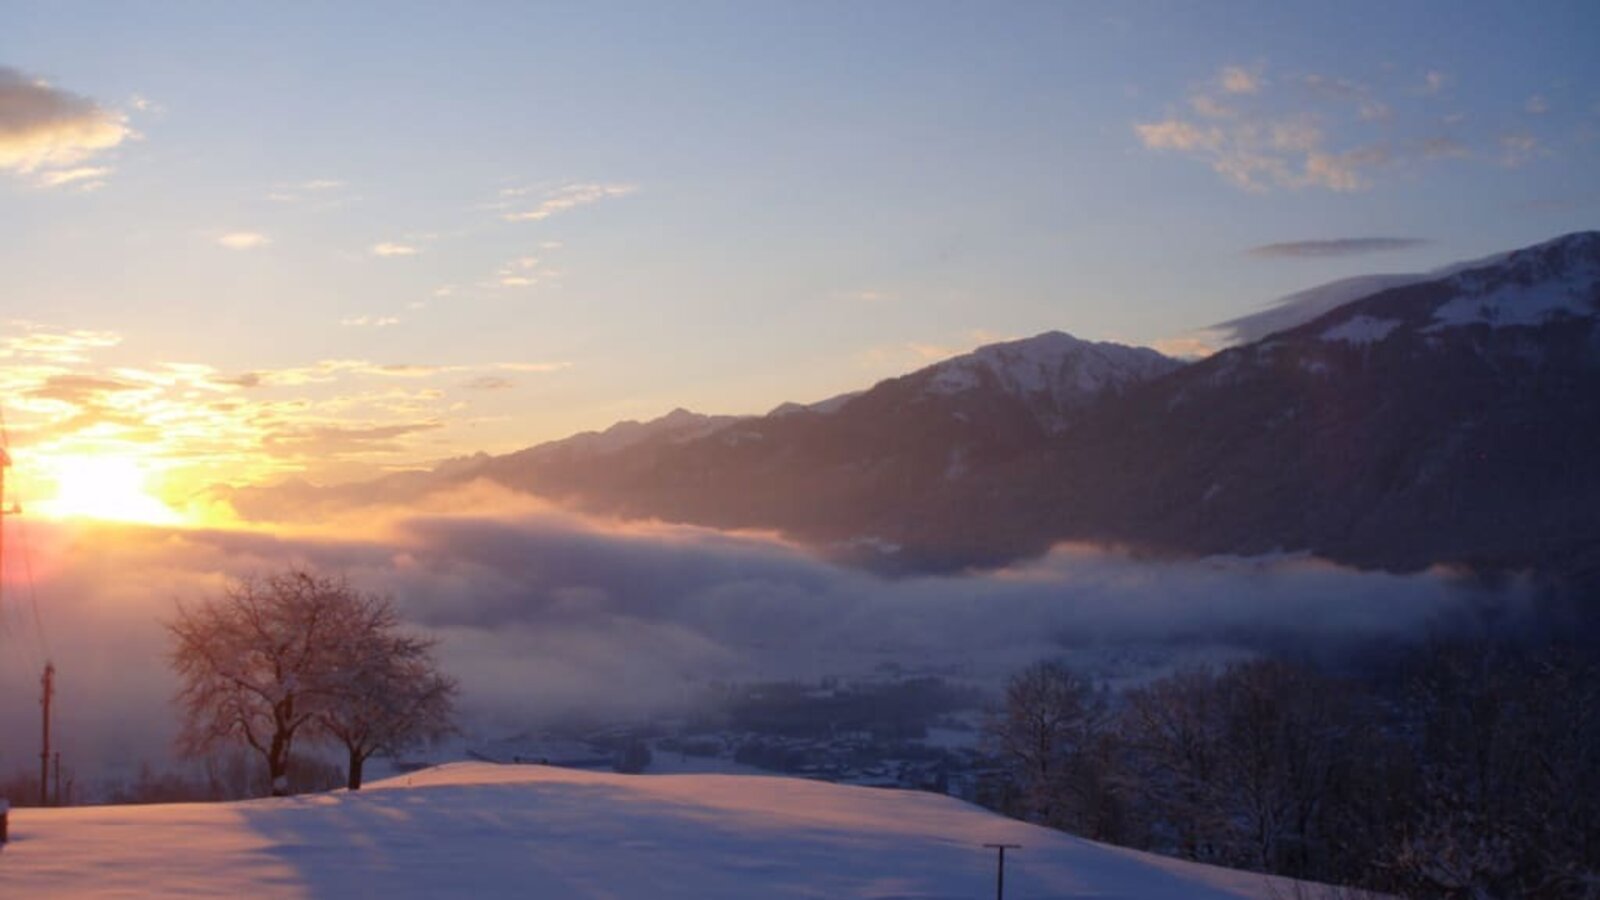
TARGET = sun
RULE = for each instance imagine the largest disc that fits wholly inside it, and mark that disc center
(105, 487)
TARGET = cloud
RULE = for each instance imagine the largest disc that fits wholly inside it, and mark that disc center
(1442, 147)
(1239, 80)
(535, 367)
(325, 441)
(84, 178)
(243, 240)
(489, 383)
(868, 295)
(391, 249)
(522, 272)
(1536, 105)
(567, 198)
(1307, 131)
(1517, 150)
(49, 132)
(1433, 82)
(541, 613)
(1334, 247)
(199, 425)
(369, 321)
(1175, 134)
(322, 193)
(79, 389)
(40, 342)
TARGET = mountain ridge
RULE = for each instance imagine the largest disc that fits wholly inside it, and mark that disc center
(1394, 431)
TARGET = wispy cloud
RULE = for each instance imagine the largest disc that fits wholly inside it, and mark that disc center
(45, 344)
(369, 321)
(83, 178)
(1334, 247)
(1257, 142)
(1239, 80)
(324, 193)
(330, 440)
(523, 272)
(1517, 150)
(49, 133)
(865, 295)
(565, 198)
(244, 240)
(388, 248)
(1322, 131)
(535, 367)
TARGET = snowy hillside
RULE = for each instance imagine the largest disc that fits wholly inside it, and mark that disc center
(480, 830)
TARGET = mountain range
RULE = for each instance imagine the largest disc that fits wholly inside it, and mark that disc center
(1393, 422)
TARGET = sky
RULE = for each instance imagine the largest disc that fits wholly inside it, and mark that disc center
(244, 241)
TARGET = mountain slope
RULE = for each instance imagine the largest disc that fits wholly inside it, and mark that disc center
(1455, 420)
(479, 830)
(865, 477)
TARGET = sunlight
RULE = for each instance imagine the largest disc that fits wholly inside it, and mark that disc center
(105, 487)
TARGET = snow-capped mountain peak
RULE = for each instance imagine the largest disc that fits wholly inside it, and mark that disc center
(1055, 373)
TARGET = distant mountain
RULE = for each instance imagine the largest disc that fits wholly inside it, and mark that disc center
(855, 473)
(675, 427)
(1450, 421)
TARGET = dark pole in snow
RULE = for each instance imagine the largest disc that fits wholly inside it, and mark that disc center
(47, 686)
(1000, 869)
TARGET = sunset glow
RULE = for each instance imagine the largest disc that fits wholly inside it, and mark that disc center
(114, 488)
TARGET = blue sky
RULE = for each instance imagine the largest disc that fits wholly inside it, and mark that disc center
(373, 234)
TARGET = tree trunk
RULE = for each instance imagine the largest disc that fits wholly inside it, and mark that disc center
(356, 762)
(278, 765)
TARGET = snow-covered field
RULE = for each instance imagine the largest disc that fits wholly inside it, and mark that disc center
(483, 830)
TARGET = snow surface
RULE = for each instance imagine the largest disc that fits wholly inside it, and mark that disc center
(1053, 362)
(1519, 304)
(1053, 372)
(482, 830)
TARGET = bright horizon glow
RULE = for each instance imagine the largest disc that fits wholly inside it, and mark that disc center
(105, 487)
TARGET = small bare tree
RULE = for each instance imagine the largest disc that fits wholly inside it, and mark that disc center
(298, 653)
(389, 695)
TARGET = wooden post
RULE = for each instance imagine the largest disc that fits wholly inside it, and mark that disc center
(1000, 869)
(5, 814)
(47, 686)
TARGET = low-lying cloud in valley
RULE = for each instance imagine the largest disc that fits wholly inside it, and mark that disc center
(542, 613)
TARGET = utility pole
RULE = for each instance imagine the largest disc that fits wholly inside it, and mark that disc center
(48, 685)
(1000, 869)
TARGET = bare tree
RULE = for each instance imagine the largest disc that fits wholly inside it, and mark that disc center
(388, 695)
(1050, 713)
(298, 653)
